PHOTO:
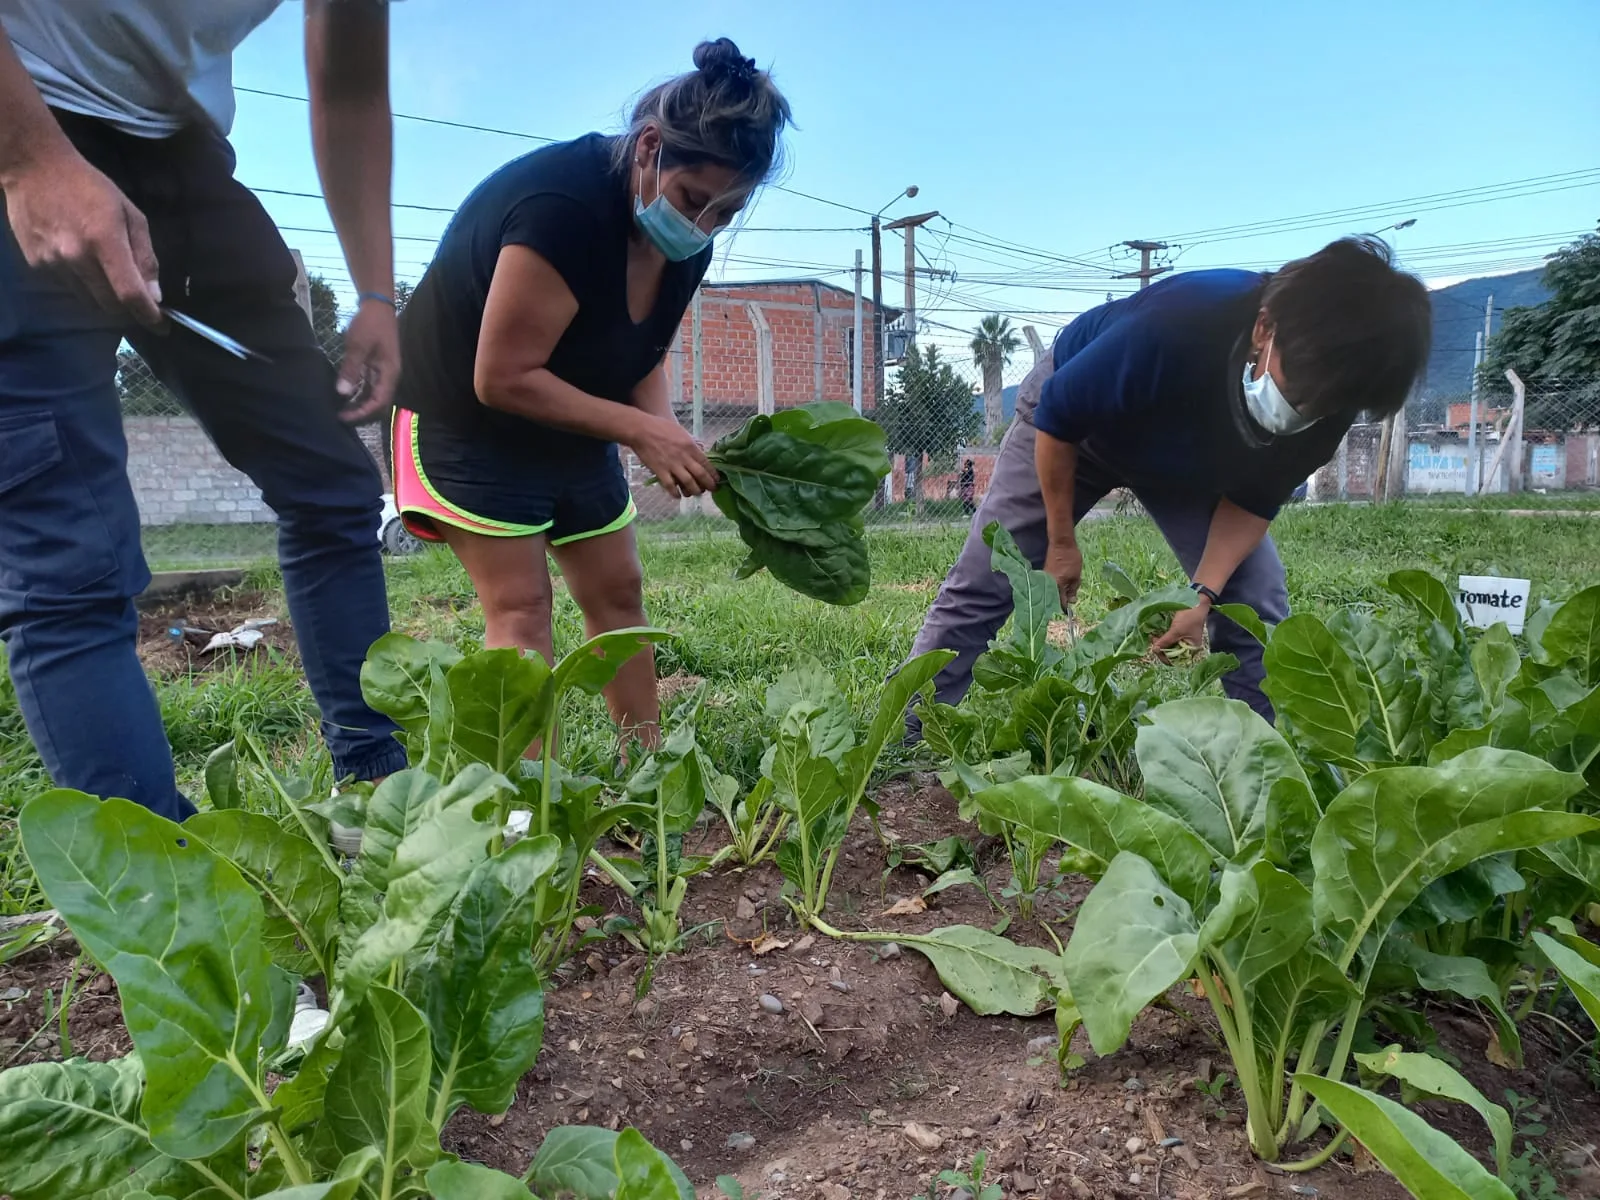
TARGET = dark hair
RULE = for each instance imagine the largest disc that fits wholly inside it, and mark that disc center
(726, 111)
(1353, 330)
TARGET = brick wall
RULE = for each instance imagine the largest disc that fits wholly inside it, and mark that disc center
(773, 343)
(179, 477)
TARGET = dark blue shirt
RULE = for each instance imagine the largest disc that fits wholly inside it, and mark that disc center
(1150, 387)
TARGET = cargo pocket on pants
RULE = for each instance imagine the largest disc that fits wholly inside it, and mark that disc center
(54, 540)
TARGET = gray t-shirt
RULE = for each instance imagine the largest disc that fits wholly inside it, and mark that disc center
(149, 67)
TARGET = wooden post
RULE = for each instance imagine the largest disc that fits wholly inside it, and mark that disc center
(1519, 391)
(1035, 343)
(765, 400)
(1399, 458)
(1380, 477)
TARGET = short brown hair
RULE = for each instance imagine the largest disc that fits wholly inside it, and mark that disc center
(1352, 329)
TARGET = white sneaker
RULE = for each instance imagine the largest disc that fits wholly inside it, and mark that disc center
(309, 1019)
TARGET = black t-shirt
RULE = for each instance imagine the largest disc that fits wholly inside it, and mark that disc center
(1151, 386)
(568, 204)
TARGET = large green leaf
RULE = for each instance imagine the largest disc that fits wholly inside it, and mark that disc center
(500, 701)
(803, 467)
(1571, 737)
(889, 718)
(1396, 722)
(1276, 928)
(1428, 1075)
(593, 665)
(469, 1181)
(180, 930)
(1460, 976)
(378, 1093)
(299, 888)
(837, 572)
(644, 1173)
(1394, 831)
(1573, 635)
(1105, 823)
(1430, 597)
(1024, 653)
(829, 722)
(345, 1184)
(478, 987)
(71, 1131)
(397, 675)
(1455, 700)
(1313, 683)
(1428, 1164)
(1292, 816)
(1124, 632)
(1306, 988)
(1046, 722)
(448, 838)
(1496, 661)
(1133, 939)
(1579, 972)
(988, 973)
(298, 1100)
(222, 776)
(1212, 764)
(582, 1160)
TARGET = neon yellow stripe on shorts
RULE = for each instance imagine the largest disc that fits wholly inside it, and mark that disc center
(622, 522)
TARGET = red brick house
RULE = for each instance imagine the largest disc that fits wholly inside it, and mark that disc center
(771, 345)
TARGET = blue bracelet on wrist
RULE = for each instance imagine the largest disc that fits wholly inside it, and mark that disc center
(378, 296)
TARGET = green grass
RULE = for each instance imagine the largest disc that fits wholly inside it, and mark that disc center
(740, 635)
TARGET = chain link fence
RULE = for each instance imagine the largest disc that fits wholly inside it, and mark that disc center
(1491, 442)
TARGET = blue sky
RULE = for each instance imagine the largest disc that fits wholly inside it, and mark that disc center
(1050, 131)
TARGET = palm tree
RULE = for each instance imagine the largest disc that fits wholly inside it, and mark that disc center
(993, 344)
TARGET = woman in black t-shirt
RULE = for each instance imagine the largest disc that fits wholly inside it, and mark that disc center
(535, 345)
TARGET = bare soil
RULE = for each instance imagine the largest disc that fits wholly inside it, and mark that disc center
(162, 654)
(871, 1080)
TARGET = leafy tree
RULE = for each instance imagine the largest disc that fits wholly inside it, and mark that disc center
(402, 295)
(325, 322)
(1555, 346)
(140, 393)
(927, 410)
(993, 344)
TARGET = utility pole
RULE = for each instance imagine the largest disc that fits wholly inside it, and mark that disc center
(909, 226)
(1146, 272)
(855, 365)
(1474, 451)
(877, 312)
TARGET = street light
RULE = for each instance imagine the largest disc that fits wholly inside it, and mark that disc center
(877, 291)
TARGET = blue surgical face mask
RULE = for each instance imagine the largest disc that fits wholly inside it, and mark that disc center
(672, 233)
(1268, 406)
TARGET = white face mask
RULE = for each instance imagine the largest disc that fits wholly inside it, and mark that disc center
(1268, 406)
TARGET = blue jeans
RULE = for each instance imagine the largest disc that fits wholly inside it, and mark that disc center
(70, 557)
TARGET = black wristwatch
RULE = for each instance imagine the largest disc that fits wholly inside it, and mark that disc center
(1209, 593)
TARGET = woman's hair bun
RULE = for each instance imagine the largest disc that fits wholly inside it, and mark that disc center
(722, 59)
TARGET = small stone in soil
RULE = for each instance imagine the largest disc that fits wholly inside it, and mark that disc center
(771, 1004)
(804, 944)
(838, 985)
(744, 910)
(923, 1138)
(1135, 1144)
(644, 1009)
(1021, 1181)
(686, 1145)
(741, 1143)
(1133, 1084)
(889, 950)
(1044, 1044)
(636, 1053)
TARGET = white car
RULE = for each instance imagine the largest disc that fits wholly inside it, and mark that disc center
(393, 535)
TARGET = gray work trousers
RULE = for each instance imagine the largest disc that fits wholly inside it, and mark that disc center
(975, 600)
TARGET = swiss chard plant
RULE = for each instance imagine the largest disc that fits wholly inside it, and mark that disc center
(1413, 686)
(1282, 908)
(795, 483)
(438, 1005)
(820, 768)
(489, 708)
(1037, 708)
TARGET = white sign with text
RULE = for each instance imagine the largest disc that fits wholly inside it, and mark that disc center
(1485, 600)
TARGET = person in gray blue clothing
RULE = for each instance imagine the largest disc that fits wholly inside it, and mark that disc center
(1211, 395)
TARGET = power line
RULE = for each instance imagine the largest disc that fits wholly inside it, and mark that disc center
(400, 116)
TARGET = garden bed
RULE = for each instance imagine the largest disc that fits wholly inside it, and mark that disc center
(816, 1101)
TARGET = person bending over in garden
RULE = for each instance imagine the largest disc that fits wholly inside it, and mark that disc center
(536, 345)
(118, 194)
(1211, 395)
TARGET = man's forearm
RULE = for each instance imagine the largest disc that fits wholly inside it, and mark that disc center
(1057, 464)
(1232, 538)
(28, 133)
(347, 73)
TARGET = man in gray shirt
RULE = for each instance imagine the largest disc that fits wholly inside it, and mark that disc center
(119, 196)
